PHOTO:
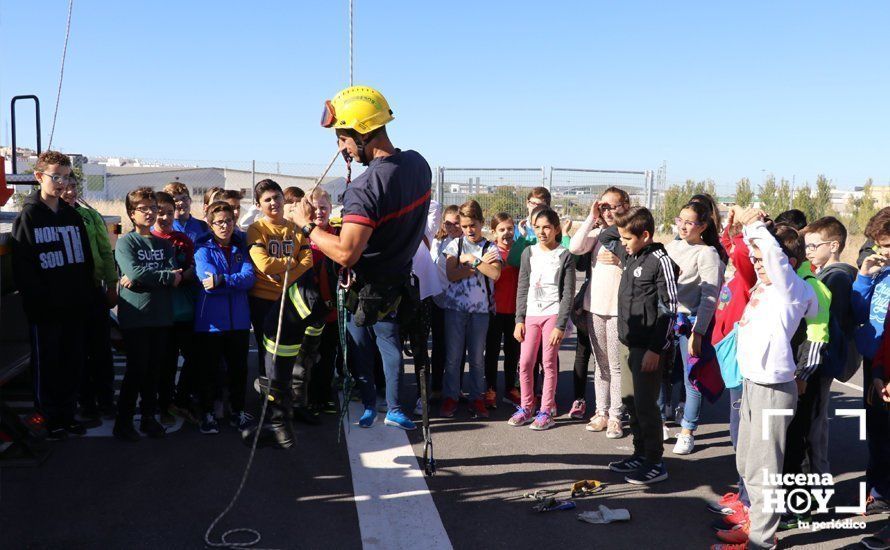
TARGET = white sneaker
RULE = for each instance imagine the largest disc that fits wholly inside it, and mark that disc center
(418, 409)
(685, 444)
(666, 433)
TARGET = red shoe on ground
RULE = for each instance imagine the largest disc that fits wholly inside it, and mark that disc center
(448, 407)
(478, 409)
(491, 398)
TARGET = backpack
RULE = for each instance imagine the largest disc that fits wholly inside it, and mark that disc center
(843, 355)
(460, 248)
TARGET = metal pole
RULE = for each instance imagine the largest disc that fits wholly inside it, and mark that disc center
(649, 189)
(544, 178)
(550, 180)
(252, 177)
(350, 43)
(441, 191)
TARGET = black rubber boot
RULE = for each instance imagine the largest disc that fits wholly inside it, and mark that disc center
(277, 428)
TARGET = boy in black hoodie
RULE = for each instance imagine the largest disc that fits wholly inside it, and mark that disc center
(53, 268)
(647, 306)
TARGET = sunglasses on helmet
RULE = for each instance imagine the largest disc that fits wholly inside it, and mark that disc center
(328, 117)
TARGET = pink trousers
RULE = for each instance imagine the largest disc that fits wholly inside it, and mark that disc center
(537, 332)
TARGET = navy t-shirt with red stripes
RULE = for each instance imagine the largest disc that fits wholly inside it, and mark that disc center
(392, 197)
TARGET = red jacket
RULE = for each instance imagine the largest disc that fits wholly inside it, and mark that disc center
(505, 287)
(736, 291)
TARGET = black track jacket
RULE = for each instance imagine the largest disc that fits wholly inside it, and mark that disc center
(647, 295)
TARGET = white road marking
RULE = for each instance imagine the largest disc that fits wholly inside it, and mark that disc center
(400, 505)
(849, 385)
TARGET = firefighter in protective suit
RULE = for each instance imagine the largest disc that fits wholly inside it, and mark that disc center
(288, 370)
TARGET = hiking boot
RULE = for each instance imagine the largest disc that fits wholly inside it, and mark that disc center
(124, 430)
(151, 427)
(167, 419)
(240, 420)
(627, 465)
(447, 408)
(521, 417)
(579, 408)
(737, 534)
(513, 397)
(209, 425)
(685, 444)
(874, 505)
(543, 421)
(647, 473)
(368, 417)
(397, 419)
(878, 541)
(490, 397)
(478, 409)
(597, 423)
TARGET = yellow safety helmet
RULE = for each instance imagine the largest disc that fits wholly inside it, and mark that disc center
(359, 108)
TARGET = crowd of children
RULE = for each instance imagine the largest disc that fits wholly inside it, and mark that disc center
(791, 318)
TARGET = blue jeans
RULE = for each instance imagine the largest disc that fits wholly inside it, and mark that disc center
(466, 332)
(360, 342)
(735, 404)
(692, 408)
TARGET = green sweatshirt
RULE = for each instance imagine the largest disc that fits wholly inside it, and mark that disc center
(148, 262)
(104, 270)
(817, 327)
(515, 256)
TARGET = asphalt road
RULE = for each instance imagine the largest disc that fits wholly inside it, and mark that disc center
(97, 492)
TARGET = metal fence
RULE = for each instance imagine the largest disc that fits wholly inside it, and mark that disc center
(495, 189)
(575, 189)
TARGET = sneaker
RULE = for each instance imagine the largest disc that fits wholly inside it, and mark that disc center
(597, 423)
(791, 521)
(418, 408)
(167, 419)
(614, 430)
(627, 465)
(726, 505)
(209, 425)
(724, 546)
(368, 417)
(185, 413)
(491, 398)
(665, 433)
(76, 428)
(874, 505)
(521, 417)
(878, 541)
(124, 430)
(513, 397)
(397, 419)
(738, 517)
(684, 445)
(447, 408)
(151, 427)
(737, 534)
(543, 421)
(478, 409)
(647, 473)
(240, 420)
(579, 408)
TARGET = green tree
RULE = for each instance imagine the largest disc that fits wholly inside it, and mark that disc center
(822, 198)
(783, 197)
(502, 199)
(768, 193)
(804, 201)
(744, 195)
(677, 195)
(860, 210)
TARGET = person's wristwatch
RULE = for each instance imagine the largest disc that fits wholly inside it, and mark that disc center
(307, 229)
(476, 262)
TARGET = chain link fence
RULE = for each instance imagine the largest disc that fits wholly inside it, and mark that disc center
(575, 189)
(495, 189)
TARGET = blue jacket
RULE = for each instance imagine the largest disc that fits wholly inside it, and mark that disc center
(225, 306)
(870, 298)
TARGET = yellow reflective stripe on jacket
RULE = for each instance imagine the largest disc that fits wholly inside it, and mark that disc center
(294, 294)
(283, 350)
(314, 331)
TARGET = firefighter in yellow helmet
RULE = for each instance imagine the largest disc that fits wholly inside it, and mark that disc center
(384, 218)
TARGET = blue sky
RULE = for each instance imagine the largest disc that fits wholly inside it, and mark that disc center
(714, 89)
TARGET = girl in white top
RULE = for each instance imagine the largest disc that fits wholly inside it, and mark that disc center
(449, 229)
(699, 283)
(601, 312)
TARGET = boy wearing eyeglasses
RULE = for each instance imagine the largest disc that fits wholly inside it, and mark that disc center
(180, 338)
(53, 267)
(183, 220)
